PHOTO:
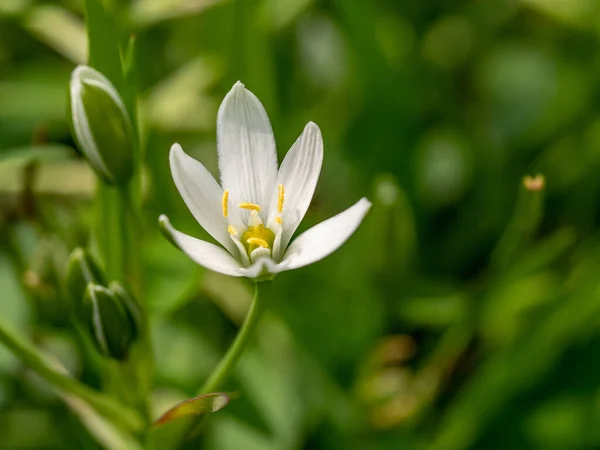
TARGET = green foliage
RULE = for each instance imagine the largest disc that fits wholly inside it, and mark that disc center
(103, 41)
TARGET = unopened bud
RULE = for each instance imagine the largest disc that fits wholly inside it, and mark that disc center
(131, 306)
(108, 321)
(101, 125)
(82, 270)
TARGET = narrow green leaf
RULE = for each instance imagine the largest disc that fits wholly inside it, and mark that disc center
(527, 216)
(43, 153)
(146, 13)
(59, 29)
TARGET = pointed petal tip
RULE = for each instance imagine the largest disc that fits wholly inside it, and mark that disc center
(238, 91)
(176, 150)
(166, 229)
(312, 127)
(366, 203)
(164, 224)
(238, 85)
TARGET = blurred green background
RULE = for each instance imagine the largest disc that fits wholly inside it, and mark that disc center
(463, 314)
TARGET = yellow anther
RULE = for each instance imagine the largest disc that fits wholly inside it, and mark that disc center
(257, 241)
(280, 196)
(250, 206)
(232, 230)
(225, 202)
(278, 220)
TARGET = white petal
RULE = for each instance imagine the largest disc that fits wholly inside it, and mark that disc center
(264, 268)
(247, 155)
(201, 193)
(299, 173)
(277, 248)
(242, 252)
(260, 253)
(204, 253)
(326, 237)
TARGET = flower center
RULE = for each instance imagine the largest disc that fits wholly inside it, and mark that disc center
(256, 235)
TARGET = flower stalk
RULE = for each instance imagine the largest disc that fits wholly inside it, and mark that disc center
(226, 366)
(228, 363)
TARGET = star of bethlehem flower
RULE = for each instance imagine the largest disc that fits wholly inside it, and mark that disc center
(257, 208)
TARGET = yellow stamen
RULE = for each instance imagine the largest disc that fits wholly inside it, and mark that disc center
(280, 196)
(225, 202)
(278, 220)
(232, 230)
(257, 241)
(250, 206)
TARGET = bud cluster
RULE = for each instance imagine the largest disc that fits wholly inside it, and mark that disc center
(108, 311)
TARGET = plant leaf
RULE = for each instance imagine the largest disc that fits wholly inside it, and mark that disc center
(208, 403)
(48, 153)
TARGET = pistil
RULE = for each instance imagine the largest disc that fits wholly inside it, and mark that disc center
(257, 236)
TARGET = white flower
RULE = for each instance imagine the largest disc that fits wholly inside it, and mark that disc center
(255, 212)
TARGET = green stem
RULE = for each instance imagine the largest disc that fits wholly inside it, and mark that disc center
(117, 235)
(109, 231)
(61, 380)
(218, 377)
(136, 373)
(130, 234)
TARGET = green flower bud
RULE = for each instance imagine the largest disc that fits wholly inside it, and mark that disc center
(109, 322)
(132, 308)
(101, 125)
(82, 269)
